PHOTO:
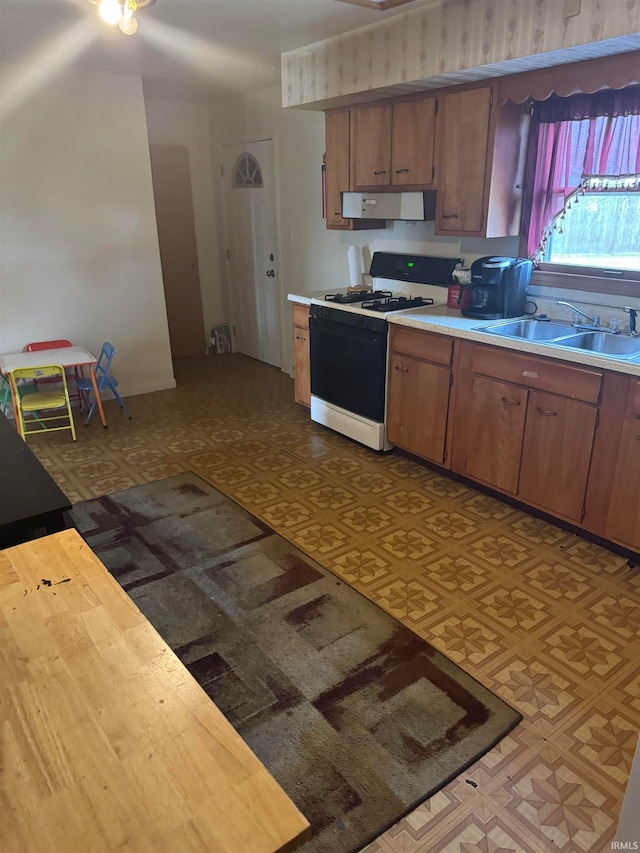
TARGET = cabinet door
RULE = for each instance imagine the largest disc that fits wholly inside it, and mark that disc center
(417, 406)
(412, 142)
(495, 433)
(462, 162)
(371, 147)
(557, 453)
(301, 366)
(337, 167)
(623, 522)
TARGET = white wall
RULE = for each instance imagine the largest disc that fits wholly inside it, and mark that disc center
(79, 254)
(312, 258)
(181, 123)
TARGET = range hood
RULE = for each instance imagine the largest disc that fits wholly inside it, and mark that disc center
(410, 206)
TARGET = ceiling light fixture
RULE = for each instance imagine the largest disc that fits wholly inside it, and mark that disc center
(122, 13)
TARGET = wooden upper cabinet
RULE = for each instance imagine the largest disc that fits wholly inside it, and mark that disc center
(480, 164)
(371, 146)
(413, 134)
(338, 173)
(337, 167)
(464, 143)
(393, 145)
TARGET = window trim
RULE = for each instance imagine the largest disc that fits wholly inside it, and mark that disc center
(591, 280)
(572, 277)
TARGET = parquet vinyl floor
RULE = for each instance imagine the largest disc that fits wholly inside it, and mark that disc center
(542, 617)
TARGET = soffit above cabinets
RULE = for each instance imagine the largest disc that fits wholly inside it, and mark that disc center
(428, 44)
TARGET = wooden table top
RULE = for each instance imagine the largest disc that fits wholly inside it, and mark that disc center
(108, 743)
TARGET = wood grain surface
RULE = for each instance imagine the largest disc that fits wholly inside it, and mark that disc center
(108, 743)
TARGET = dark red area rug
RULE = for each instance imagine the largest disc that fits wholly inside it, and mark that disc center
(357, 718)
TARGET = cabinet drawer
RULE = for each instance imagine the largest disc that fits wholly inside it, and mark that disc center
(578, 383)
(635, 397)
(435, 348)
(300, 315)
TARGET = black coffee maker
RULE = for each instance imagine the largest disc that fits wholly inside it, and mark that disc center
(498, 288)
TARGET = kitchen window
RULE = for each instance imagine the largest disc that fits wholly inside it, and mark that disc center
(582, 217)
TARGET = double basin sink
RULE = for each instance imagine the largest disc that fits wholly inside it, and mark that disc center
(559, 334)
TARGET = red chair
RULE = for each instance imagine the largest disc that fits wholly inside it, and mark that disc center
(38, 345)
(73, 373)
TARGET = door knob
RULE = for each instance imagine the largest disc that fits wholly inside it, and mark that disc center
(271, 273)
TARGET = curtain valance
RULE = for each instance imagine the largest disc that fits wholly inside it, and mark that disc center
(588, 76)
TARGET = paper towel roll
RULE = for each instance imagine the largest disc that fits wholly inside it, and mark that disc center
(356, 265)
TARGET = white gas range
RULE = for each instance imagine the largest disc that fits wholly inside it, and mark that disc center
(348, 345)
(348, 354)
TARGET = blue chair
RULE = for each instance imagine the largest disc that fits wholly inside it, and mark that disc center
(104, 381)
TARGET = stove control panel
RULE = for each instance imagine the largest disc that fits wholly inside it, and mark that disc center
(420, 269)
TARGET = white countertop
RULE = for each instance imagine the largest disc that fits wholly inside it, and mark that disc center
(319, 295)
(443, 320)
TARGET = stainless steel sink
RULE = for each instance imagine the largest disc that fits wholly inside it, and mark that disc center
(603, 343)
(557, 333)
(532, 330)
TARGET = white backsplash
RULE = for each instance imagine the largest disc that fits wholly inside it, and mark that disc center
(606, 312)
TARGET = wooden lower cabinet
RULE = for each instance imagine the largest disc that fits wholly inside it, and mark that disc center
(526, 442)
(496, 431)
(556, 436)
(623, 520)
(301, 359)
(418, 393)
(556, 454)
(531, 445)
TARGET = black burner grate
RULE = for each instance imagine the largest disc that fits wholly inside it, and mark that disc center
(396, 303)
(358, 296)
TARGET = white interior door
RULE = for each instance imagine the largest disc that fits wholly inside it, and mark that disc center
(251, 249)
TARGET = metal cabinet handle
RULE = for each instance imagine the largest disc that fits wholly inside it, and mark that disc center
(401, 171)
(449, 215)
(402, 369)
(509, 402)
(381, 172)
(298, 338)
(546, 412)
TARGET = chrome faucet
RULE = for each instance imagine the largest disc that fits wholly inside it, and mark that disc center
(633, 314)
(594, 321)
